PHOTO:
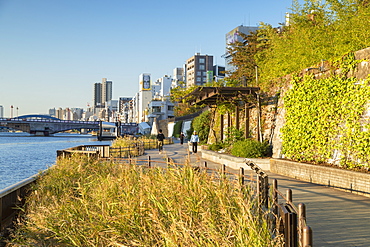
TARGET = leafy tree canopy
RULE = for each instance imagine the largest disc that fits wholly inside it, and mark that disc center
(317, 31)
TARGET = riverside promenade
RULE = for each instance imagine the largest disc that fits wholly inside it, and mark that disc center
(337, 218)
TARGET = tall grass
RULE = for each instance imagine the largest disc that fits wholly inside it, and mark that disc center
(85, 202)
(148, 143)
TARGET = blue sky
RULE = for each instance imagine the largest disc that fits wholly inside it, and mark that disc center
(51, 52)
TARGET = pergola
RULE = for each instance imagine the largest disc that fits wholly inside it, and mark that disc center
(212, 96)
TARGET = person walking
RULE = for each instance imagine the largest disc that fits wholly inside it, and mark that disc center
(182, 136)
(194, 139)
(160, 138)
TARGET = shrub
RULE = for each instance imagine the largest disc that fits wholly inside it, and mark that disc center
(202, 124)
(216, 146)
(250, 148)
(177, 129)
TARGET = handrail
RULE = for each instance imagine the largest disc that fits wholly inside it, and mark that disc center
(10, 199)
(295, 230)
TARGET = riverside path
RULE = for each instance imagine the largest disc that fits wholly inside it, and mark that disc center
(337, 218)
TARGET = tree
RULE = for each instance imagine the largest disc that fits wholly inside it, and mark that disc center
(318, 30)
(243, 58)
(202, 125)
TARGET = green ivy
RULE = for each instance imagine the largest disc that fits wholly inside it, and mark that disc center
(323, 120)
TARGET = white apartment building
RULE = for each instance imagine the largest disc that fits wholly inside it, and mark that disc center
(143, 97)
(178, 77)
(152, 100)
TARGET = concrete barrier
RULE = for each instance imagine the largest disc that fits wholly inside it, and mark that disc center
(355, 182)
(234, 162)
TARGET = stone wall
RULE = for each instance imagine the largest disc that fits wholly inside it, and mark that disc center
(278, 122)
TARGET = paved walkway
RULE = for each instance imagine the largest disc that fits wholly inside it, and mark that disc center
(337, 218)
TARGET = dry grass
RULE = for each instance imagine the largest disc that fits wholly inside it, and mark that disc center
(82, 202)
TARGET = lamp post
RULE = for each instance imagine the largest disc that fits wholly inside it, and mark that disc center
(11, 111)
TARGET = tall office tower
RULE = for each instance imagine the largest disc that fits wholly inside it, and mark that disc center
(97, 95)
(106, 90)
(1, 111)
(232, 37)
(199, 70)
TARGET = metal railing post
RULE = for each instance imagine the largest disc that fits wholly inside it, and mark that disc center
(289, 196)
(168, 162)
(265, 190)
(258, 189)
(301, 220)
(149, 163)
(274, 203)
(307, 237)
(241, 175)
(223, 170)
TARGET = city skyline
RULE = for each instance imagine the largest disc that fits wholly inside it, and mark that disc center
(52, 52)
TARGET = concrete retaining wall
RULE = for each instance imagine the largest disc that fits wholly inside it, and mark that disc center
(355, 182)
(234, 162)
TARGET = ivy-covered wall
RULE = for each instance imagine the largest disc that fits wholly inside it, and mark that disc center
(323, 113)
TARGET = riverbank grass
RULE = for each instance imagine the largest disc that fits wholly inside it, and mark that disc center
(85, 202)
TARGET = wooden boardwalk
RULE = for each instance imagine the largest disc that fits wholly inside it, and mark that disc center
(337, 218)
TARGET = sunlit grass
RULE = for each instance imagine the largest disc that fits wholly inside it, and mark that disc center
(85, 202)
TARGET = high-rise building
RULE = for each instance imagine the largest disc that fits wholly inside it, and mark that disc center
(199, 70)
(106, 90)
(1, 111)
(97, 95)
(231, 37)
(102, 93)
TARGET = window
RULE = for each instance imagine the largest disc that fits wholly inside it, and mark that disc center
(170, 107)
(199, 79)
(202, 60)
(156, 109)
(199, 73)
(201, 66)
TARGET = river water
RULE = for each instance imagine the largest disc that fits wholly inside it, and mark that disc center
(22, 155)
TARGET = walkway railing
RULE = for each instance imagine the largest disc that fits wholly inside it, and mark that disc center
(289, 220)
(11, 198)
(106, 151)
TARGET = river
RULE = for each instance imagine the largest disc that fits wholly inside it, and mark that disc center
(23, 155)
